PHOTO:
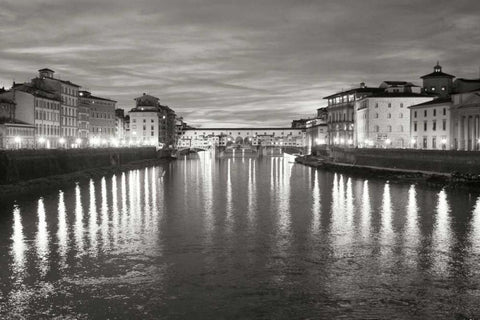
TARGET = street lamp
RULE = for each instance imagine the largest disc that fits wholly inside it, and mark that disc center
(388, 142)
(61, 141)
(18, 141)
(78, 141)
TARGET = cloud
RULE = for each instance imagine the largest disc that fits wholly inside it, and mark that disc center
(241, 63)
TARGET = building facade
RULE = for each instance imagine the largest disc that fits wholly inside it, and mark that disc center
(316, 132)
(101, 118)
(68, 92)
(438, 83)
(152, 123)
(466, 120)
(120, 125)
(14, 134)
(383, 120)
(340, 109)
(430, 125)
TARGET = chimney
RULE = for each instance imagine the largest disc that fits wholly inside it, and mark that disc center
(362, 85)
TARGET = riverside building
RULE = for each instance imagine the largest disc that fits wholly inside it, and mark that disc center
(101, 119)
(466, 120)
(152, 123)
(316, 132)
(430, 124)
(382, 120)
(340, 110)
(68, 93)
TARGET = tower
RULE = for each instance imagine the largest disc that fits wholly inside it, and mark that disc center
(438, 82)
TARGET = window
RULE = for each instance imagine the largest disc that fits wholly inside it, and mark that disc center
(401, 115)
(376, 105)
(376, 115)
(444, 111)
(389, 116)
(400, 128)
(389, 128)
(434, 126)
(444, 88)
(389, 105)
(434, 112)
(376, 129)
(434, 142)
(401, 105)
(444, 125)
(415, 114)
(425, 113)
(425, 143)
(433, 89)
(425, 126)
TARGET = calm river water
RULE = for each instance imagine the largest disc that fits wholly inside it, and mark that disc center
(240, 238)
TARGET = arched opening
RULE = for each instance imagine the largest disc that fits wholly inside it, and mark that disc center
(229, 140)
(239, 141)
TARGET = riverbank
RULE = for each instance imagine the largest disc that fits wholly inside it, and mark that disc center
(41, 185)
(433, 178)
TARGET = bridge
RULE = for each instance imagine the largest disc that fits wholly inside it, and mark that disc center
(229, 140)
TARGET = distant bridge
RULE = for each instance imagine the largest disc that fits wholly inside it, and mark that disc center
(242, 137)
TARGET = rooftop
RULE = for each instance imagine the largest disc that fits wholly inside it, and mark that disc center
(400, 95)
(433, 102)
(359, 90)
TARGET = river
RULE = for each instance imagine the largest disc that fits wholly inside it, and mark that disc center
(249, 238)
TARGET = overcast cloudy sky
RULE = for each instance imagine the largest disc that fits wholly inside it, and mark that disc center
(236, 62)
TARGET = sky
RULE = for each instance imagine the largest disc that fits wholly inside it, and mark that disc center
(236, 63)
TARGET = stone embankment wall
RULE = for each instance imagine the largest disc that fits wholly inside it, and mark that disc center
(466, 162)
(20, 165)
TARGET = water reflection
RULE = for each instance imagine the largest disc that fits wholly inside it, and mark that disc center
(386, 232)
(441, 234)
(294, 236)
(62, 233)
(18, 244)
(251, 190)
(79, 227)
(412, 231)
(92, 220)
(475, 229)
(42, 240)
(316, 206)
(366, 212)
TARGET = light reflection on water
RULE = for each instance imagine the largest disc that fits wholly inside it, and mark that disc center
(250, 237)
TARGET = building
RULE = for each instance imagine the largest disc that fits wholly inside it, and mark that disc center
(68, 92)
(101, 119)
(465, 85)
(44, 113)
(152, 123)
(316, 132)
(438, 83)
(382, 120)
(120, 125)
(14, 134)
(430, 125)
(466, 120)
(83, 118)
(300, 123)
(340, 109)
